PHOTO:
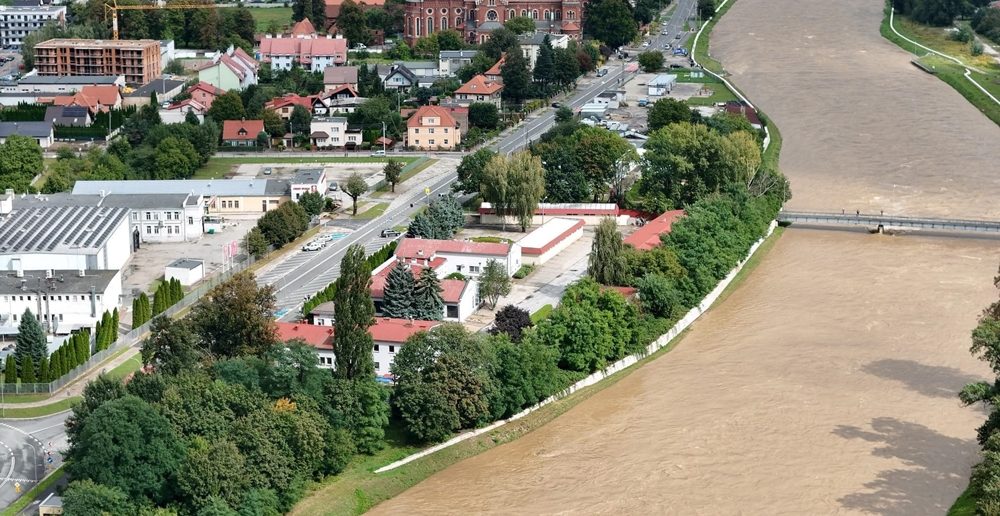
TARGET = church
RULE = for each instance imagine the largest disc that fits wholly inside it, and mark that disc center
(475, 19)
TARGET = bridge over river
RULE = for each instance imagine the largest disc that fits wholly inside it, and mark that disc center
(880, 222)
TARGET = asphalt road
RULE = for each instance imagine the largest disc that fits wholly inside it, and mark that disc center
(25, 447)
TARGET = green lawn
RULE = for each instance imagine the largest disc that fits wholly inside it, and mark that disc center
(720, 93)
(32, 493)
(965, 505)
(25, 398)
(373, 212)
(125, 368)
(701, 52)
(44, 410)
(219, 165)
(263, 16)
(541, 314)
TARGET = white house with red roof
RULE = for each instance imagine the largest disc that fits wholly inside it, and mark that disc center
(460, 296)
(479, 89)
(465, 257)
(233, 69)
(177, 112)
(285, 104)
(388, 335)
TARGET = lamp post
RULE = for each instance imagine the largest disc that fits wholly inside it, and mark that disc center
(383, 137)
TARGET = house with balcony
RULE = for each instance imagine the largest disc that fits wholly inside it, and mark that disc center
(327, 132)
(432, 128)
(479, 89)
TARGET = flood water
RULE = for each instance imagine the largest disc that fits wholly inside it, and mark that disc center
(827, 382)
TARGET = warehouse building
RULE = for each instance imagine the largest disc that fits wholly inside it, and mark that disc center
(62, 300)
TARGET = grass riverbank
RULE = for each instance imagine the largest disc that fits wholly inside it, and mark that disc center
(358, 488)
(702, 52)
(949, 71)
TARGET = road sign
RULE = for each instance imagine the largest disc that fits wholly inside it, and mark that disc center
(49, 460)
(427, 190)
(17, 487)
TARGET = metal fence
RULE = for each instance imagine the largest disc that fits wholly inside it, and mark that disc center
(130, 339)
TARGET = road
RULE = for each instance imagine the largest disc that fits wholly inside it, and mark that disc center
(25, 447)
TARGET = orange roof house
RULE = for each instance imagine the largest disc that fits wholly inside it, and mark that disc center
(479, 89)
(432, 127)
(495, 71)
(241, 132)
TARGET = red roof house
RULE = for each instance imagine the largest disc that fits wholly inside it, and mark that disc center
(205, 93)
(479, 89)
(648, 236)
(241, 133)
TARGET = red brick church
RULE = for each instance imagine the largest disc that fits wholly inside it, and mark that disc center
(475, 19)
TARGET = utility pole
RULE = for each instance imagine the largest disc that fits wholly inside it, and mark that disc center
(383, 137)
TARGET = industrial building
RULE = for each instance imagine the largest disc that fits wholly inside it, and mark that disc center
(62, 300)
(137, 60)
(223, 197)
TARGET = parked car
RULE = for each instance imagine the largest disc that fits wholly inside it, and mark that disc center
(267, 171)
(676, 66)
(390, 233)
(556, 104)
(677, 36)
(643, 102)
(602, 72)
(314, 246)
(379, 152)
(333, 187)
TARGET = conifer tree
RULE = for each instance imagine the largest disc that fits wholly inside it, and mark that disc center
(30, 340)
(397, 299)
(43, 371)
(114, 325)
(159, 299)
(10, 370)
(178, 291)
(28, 370)
(427, 301)
(55, 366)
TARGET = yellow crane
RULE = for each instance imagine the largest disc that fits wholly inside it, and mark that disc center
(111, 10)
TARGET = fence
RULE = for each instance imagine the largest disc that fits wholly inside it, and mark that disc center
(128, 340)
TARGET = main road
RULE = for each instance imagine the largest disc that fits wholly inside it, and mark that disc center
(312, 275)
(28, 450)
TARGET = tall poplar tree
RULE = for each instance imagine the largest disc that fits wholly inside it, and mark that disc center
(354, 313)
(526, 186)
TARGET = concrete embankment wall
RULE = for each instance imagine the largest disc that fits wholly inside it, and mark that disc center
(594, 378)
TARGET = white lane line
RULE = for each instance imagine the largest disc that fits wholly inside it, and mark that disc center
(12, 461)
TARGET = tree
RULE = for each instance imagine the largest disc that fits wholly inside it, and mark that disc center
(361, 407)
(427, 302)
(470, 170)
(263, 139)
(127, 444)
(511, 321)
(564, 114)
(494, 187)
(10, 370)
(300, 120)
(235, 317)
(659, 295)
(484, 115)
(651, 61)
(397, 298)
(610, 21)
(255, 243)
(449, 40)
(567, 67)
(545, 72)
(526, 187)
(494, 282)
(139, 310)
(667, 111)
(273, 123)
(212, 470)
(393, 170)
(520, 25)
(744, 156)
(516, 77)
(20, 161)
(89, 497)
(228, 106)
(354, 313)
(683, 163)
(607, 262)
(601, 153)
(27, 370)
(159, 301)
(352, 23)
(706, 9)
(172, 346)
(354, 188)
(30, 341)
(43, 371)
(501, 40)
(312, 202)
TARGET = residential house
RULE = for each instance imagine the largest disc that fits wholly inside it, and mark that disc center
(95, 98)
(388, 336)
(432, 128)
(166, 88)
(137, 59)
(531, 44)
(479, 89)
(460, 296)
(285, 104)
(312, 52)
(323, 314)
(396, 77)
(68, 116)
(495, 73)
(464, 257)
(177, 112)
(308, 180)
(451, 61)
(327, 132)
(241, 133)
(338, 101)
(18, 21)
(205, 93)
(336, 77)
(233, 69)
(41, 132)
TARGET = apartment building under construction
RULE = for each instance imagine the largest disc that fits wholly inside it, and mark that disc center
(137, 60)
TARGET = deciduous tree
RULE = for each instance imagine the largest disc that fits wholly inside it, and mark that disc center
(312, 203)
(354, 313)
(354, 188)
(255, 243)
(236, 317)
(393, 170)
(651, 61)
(494, 187)
(172, 346)
(607, 263)
(470, 170)
(511, 321)
(667, 111)
(228, 106)
(611, 22)
(494, 282)
(526, 187)
(516, 77)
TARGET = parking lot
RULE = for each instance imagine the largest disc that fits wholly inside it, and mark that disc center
(10, 62)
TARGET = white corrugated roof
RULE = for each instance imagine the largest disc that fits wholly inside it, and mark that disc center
(548, 232)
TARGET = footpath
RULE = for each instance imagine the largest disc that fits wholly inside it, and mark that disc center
(75, 388)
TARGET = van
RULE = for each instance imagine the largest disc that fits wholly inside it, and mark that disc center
(602, 72)
(643, 102)
(379, 152)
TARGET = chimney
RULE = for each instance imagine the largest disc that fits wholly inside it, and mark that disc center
(48, 273)
(81, 273)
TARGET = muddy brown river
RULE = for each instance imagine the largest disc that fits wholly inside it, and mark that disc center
(827, 382)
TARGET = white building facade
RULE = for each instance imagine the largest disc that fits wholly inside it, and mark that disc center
(17, 22)
(62, 300)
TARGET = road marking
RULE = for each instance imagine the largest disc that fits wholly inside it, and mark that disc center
(12, 461)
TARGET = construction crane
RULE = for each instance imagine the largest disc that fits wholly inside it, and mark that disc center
(112, 9)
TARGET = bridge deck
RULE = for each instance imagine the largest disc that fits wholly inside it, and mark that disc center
(886, 221)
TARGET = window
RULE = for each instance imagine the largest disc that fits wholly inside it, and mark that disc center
(524, 12)
(511, 14)
(177, 215)
(376, 349)
(474, 269)
(430, 142)
(149, 216)
(377, 367)
(15, 317)
(534, 14)
(459, 268)
(149, 230)
(445, 130)
(446, 142)
(444, 21)
(135, 215)
(451, 311)
(190, 220)
(60, 317)
(392, 349)
(431, 130)
(416, 130)
(491, 15)
(237, 204)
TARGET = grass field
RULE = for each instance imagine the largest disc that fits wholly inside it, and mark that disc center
(25, 398)
(358, 488)
(125, 368)
(44, 410)
(947, 70)
(373, 212)
(720, 94)
(703, 50)
(219, 165)
(263, 16)
(964, 506)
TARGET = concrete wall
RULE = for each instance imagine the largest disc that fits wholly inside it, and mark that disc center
(590, 220)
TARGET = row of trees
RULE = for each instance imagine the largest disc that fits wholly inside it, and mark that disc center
(167, 294)
(106, 330)
(142, 310)
(937, 12)
(31, 361)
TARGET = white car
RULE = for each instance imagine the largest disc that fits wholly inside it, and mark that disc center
(314, 246)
